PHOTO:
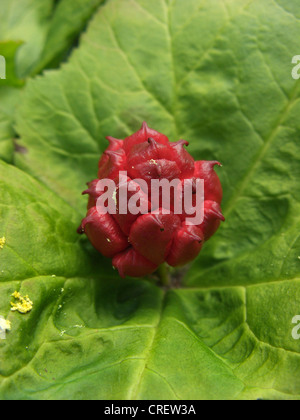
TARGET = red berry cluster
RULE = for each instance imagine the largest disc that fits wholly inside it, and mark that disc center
(139, 243)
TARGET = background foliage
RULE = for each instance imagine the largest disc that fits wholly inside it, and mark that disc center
(216, 73)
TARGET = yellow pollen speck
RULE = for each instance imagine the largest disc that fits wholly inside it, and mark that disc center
(23, 304)
(153, 161)
(2, 242)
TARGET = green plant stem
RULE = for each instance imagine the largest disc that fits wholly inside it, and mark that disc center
(164, 275)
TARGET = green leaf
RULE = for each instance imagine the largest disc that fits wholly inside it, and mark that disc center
(9, 100)
(34, 35)
(8, 50)
(40, 230)
(25, 21)
(22, 33)
(47, 30)
(68, 20)
(219, 75)
(9, 93)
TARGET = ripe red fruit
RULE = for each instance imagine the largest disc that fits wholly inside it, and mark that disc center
(138, 243)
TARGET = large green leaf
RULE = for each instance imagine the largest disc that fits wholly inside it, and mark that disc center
(219, 75)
